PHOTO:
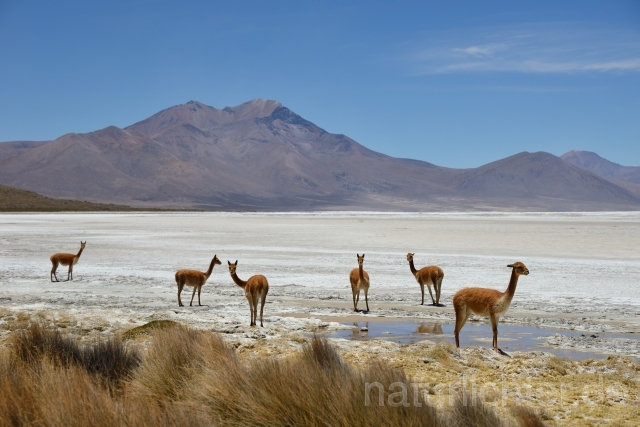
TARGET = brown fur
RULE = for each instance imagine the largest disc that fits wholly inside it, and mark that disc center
(194, 278)
(359, 281)
(430, 275)
(256, 288)
(486, 302)
(65, 259)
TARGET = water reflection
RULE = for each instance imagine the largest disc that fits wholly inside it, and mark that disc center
(360, 331)
(429, 328)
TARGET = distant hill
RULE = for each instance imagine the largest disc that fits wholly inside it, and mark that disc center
(593, 163)
(262, 156)
(627, 177)
(543, 176)
(16, 200)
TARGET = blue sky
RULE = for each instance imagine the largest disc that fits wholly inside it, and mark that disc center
(457, 83)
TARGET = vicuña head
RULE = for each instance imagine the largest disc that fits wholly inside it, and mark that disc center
(519, 268)
(255, 289)
(232, 267)
(486, 302)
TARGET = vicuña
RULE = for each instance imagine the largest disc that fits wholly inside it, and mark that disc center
(486, 302)
(255, 289)
(359, 281)
(65, 259)
(431, 275)
(194, 278)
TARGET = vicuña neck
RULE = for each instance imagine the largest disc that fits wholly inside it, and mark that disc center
(80, 252)
(361, 271)
(237, 280)
(210, 270)
(511, 290)
(412, 267)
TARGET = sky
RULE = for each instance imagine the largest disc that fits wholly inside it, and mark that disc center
(454, 83)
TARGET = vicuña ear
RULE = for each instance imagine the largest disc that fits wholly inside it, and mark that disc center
(510, 265)
(228, 262)
(236, 262)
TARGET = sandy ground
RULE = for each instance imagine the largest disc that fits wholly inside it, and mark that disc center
(585, 276)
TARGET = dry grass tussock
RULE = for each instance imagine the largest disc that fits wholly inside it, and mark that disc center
(194, 378)
(109, 360)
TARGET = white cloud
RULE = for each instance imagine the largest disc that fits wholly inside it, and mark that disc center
(533, 48)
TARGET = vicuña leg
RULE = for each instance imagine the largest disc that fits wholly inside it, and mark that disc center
(422, 289)
(462, 315)
(250, 309)
(494, 326)
(70, 272)
(431, 293)
(195, 288)
(255, 309)
(438, 289)
(353, 293)
(366, 298)
(264, 299)
(53, 271)
(180, 284)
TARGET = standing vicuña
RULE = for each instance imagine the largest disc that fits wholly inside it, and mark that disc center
(194, 278)
(427, 275)
(255, 288)
(359, 280)
(486, 302)
(65, 259)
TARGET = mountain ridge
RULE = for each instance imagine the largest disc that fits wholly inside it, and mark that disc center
(262, 155)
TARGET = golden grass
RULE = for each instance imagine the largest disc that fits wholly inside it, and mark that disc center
(194, 378)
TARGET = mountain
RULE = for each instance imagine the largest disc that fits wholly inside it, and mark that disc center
(539, 175)
(260, 155)
(627, 177)
(593, 163)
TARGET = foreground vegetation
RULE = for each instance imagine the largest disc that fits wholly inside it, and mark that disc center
(189, 377)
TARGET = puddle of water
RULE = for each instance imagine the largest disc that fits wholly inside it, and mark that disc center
(510, 337)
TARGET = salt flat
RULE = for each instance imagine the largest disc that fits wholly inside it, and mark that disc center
(585, 267)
